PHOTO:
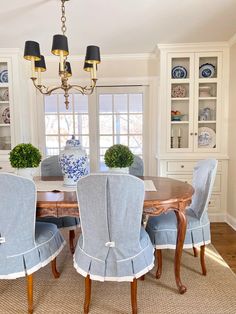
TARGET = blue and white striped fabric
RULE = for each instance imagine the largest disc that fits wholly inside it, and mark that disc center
(113, 245)
(24, 246)
(163, 229)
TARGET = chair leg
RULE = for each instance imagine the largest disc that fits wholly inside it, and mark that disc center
(30, 293)
(202, 258)
(159, 263)
(195, 253)
(87, 294)
(142, 277)
(71, 240)
(56, 273)
(133, 286)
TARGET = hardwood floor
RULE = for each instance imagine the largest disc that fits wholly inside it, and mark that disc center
(223, 238)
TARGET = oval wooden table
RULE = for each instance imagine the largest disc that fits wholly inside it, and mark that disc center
(170, 194)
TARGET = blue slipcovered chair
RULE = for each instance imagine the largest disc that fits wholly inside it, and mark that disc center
(50, 167)
(25, 246)
(113, 246)
(163, 229)
(136, 169)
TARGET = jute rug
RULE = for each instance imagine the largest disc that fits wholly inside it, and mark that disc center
(215, 293)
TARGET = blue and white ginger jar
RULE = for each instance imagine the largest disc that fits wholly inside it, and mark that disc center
(73, 161)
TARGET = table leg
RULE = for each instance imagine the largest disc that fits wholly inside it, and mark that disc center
(181, 221)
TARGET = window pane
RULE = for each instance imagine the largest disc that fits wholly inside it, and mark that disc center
(105, 103)
(136, 103)
(62, 106)
(135, 124)
(66, 124)
(50, 104)
(121, 124)
(135, 141)
(102, 165)
(51, 124)
(105, 124)
(121, 139)
(63, 140)
(80, 103)
(84, 140)
(82, 124)
(120, 103)
(106, 141)
(52, 142)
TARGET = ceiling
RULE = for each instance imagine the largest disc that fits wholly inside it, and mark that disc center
(118, 27)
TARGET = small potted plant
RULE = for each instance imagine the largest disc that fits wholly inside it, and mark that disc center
(25, 157)
(119, 158)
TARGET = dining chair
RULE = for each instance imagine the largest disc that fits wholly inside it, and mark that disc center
(109, 249)
(163, 229)
(50, 167)
(136, 169)
(25, 246)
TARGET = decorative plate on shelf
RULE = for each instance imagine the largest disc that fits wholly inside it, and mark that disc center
(4, 94)
(6, 115)
(206, 70)
(178, 91)
(4, 76)
(179, 72)
(206, 137)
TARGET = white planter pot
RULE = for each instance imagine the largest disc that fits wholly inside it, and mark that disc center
(26, 172)
(119, 170)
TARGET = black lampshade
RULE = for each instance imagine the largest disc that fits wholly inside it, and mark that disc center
(93, 54)
(60, 43)
(40, 64)
(68, 69)
(88, 66)
(32, 50)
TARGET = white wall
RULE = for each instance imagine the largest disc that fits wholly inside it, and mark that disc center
(232, 139)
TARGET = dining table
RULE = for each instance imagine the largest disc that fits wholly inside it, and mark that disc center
(161, 195)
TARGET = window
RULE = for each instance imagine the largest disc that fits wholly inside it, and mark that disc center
(114, 115)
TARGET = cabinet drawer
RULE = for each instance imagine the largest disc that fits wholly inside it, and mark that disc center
(214, 204)
(185, 166)
(188, 179)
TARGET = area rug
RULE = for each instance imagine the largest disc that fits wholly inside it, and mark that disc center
(215, 293)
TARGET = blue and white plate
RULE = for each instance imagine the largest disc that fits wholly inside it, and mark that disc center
(206, 137)
(206, 70)
(179, 72)
(4, 76)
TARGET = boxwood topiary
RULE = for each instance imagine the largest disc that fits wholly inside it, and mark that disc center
(118, 156)
(25, 156)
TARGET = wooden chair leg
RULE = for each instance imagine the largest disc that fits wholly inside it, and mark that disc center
(56, 273)
(159, 263)
(71, 240)
(87, 294)
(133, 286)
(202, 258)
(195, 253)
(30, 293)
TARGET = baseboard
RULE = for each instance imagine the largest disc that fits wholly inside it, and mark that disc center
(231, 221)
(217, 217)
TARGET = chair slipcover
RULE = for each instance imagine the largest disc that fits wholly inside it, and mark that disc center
(50, 167)
(136, 169)
(24, 246)
(113, 245)
(163, 229)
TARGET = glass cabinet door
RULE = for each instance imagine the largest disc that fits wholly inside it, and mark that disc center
(5, 119)
(180, 101)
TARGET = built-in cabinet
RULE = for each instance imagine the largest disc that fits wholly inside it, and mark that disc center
(193, 114)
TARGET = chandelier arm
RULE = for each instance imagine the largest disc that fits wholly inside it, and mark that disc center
(44, 89)
(85, 89)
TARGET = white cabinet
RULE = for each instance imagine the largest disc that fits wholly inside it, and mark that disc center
(193, 114)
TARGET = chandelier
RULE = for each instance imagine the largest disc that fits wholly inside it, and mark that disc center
(60, 48)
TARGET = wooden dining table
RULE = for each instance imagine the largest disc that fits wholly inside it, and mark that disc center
(170, 194)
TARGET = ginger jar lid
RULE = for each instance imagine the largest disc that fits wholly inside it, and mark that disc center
(72, 142)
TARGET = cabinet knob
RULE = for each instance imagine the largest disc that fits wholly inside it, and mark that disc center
(182, 166)
(0, 168)
(191, 133)
(195, 133)
(209, 203)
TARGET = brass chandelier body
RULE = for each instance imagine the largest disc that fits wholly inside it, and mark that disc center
(60, 48)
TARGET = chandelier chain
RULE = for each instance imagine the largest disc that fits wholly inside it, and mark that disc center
(63, 17)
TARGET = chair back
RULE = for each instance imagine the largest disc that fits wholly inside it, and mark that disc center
(203, 180)
(50, 167)
(110, 208)
(136, 169)
(17, 215)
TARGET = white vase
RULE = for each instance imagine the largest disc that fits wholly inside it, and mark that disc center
(26, 172)
(73, 161)
(119, 170)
